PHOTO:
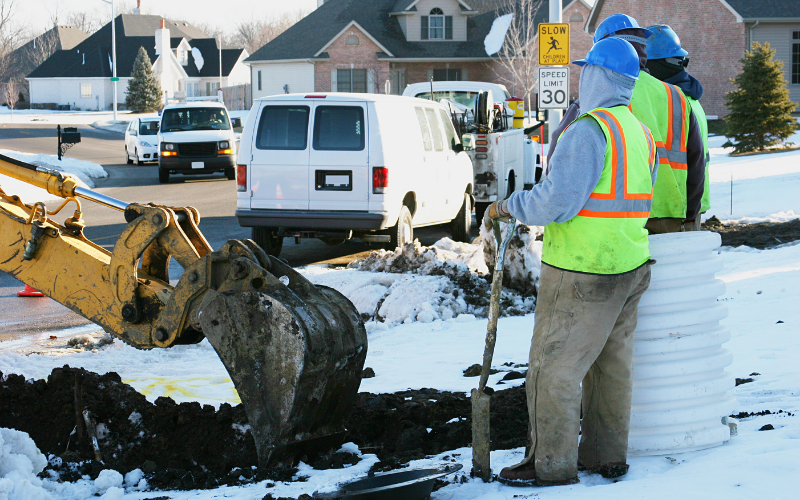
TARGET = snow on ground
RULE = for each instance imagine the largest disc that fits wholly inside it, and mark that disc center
(765, 186)
(85, 171)
(762, 298)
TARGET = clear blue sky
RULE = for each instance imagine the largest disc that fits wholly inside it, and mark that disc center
(222, 13)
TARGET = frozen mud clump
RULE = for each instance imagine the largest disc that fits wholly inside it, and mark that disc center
(449, 279)
(523, 261)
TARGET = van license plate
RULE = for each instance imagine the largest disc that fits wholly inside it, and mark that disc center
(334, 180)
(198, 164)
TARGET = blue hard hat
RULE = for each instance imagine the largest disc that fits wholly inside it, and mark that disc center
(664, 43)
(614, 23)
(614, 54)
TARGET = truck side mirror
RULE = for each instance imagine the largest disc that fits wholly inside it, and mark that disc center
(458, 148)
(466, 140)
(236, 123)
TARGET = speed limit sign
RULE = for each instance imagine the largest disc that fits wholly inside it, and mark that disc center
(553, 87)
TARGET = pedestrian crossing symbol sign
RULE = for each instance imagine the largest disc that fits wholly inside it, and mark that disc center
(553, 44)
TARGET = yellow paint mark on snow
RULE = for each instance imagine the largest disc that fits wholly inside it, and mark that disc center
(218, 389)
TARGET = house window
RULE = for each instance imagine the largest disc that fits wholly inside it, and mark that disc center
(259, 80)
(796, 58)
(576, 17)
(447, 75)
(351, 80)
(436, 26)
(351, 40)
(86, 90)
(211, 88)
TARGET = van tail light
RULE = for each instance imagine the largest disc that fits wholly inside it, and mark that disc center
(380, 179)
(241, 177)
(482, 150)
(481, 143)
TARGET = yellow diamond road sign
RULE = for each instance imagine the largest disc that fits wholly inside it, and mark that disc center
(553, 44)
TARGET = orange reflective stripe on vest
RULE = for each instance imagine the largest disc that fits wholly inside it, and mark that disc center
(675, 145)
(618, 202)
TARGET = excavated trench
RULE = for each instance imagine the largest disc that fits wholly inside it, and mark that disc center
(189, 446)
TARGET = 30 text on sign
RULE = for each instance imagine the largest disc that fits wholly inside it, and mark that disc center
(553, 44)
(553, 88)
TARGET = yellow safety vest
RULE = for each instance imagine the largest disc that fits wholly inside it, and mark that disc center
(664, 110)
(702, 121)
(607, 236)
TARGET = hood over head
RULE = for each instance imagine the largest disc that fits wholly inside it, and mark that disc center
(602, 88)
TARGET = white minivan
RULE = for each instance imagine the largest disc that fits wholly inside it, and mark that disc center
(338, 166)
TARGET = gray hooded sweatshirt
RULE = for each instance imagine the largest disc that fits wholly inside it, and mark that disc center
(577, 163)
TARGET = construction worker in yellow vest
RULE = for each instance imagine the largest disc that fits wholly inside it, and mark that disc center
(667, 61)
(668, 115)
(594, 202)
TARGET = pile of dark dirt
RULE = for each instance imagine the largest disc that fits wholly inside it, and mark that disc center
(189, 446)
(761, 235)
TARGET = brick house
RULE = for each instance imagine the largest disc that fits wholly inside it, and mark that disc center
(716, 34)
(380, 46)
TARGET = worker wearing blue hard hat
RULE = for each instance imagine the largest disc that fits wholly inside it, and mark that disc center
(666, 112)
(667, 60)
(594, 202)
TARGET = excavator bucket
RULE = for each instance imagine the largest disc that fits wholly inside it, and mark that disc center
(295, 352)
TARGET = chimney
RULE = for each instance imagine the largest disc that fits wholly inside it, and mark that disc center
(138, 9)
(162, 39)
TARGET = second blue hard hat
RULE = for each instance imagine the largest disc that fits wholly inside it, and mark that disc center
(664, 43)
(614, 54)
(614, 23)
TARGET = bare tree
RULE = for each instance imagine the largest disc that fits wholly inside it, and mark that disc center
(255, 33)
(86, 21)
(11, 94)
(516, 58)
(40, 49)
(10, 32)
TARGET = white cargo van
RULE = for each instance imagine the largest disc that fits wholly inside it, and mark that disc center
(337, 166)
(196, 138)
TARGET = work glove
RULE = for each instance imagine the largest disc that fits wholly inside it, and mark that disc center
(498, 210)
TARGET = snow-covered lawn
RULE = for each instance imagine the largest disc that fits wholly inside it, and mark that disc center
(428, 350)
(85, 171)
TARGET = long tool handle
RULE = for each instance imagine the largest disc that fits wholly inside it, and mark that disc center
(494, 300)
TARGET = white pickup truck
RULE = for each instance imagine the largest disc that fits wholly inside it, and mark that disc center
(504, 160)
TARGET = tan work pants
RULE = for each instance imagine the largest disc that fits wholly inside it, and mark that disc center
(583, 333)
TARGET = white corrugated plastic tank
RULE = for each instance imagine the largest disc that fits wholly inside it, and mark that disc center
(680, 386)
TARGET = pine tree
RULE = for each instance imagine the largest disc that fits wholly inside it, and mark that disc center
(144, 90)
(760, 109)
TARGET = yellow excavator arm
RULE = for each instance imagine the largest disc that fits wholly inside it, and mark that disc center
(294, 350)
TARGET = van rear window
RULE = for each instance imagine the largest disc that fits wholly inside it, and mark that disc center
(283, 127)
(339, 128)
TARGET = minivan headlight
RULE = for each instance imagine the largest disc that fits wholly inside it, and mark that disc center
(169, 147)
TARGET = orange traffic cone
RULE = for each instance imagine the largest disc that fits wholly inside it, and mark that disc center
(30, 292)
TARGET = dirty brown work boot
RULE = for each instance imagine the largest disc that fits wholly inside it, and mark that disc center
(525, 475)
(609, 471)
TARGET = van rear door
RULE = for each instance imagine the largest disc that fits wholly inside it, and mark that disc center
(279, 169)
(339, 172)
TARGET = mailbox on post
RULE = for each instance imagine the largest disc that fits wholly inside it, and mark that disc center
(66, 139)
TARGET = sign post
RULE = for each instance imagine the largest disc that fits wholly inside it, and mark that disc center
(553, 88)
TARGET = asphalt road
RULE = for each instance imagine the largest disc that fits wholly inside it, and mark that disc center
(213, 196)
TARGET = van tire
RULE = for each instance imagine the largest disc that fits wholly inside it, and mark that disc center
(268, 240)
(460, 226)
(230, 173)
(480, 208)
(163, 176)
(402, 232)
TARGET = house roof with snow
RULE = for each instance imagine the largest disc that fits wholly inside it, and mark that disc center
(378, 18)
(92, 57)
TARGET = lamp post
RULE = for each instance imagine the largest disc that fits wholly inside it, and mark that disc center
(114, 78)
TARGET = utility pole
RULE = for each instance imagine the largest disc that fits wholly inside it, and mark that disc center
(554, 114)
(219, 37)
(114, 78)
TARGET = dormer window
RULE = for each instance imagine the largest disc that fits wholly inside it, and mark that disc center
(437, 26)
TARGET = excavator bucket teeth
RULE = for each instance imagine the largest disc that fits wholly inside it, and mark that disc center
(295, 354)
